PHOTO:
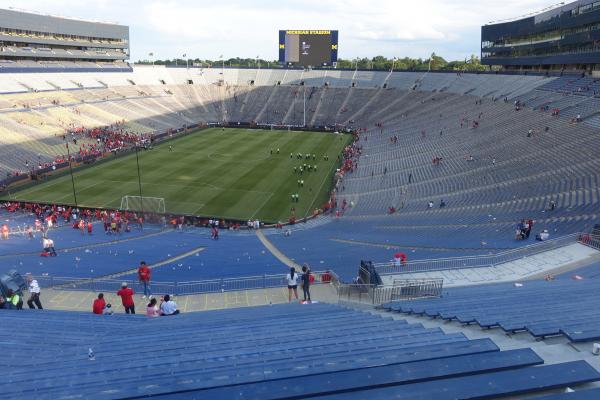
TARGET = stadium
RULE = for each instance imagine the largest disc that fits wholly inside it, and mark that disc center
(443, 226)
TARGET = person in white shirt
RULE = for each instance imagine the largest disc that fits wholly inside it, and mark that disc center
(34, 292)
(48, 245)
(168, 307)
(543, 235)
(292, 283)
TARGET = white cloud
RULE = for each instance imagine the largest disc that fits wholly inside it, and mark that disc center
(206, 29)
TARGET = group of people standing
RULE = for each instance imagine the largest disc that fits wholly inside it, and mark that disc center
(306, 279)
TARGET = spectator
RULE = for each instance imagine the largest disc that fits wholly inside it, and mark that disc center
(543, 235)
(48, 245)
(442, 203)
(34, 291)
(2, 302)
(306, 283)
(168, 307)
(99, 304)
(144, 276)
(126, 295)
(13, 300)
(292, 283)
(152, 309)
(528, 227)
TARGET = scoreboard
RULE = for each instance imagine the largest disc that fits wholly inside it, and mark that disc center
(306, 48)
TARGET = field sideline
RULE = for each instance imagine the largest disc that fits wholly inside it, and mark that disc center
(227, 174)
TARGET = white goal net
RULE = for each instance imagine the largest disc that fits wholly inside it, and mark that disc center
(143, 203)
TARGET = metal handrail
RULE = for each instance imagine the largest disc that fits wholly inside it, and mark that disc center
(589, 240)
(477, 261)
(175, 287)
(380, 294)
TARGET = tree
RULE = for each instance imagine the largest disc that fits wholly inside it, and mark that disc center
(378, 63)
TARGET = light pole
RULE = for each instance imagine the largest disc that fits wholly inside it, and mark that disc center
(137, 160)
(186, 61)
(393, 62)
(71, 172)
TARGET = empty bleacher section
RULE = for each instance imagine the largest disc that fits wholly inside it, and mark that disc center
(293, 351)
(542, 308)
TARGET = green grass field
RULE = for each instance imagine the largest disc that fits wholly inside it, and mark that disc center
(227, 174)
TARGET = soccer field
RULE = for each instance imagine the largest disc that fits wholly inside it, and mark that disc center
(227, 174)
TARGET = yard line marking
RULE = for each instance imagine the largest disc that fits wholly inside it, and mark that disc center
(262, 205)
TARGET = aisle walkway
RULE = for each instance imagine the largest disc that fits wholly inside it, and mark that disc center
(82, 301)
(537, 266)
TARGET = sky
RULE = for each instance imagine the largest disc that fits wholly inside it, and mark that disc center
(235, 28)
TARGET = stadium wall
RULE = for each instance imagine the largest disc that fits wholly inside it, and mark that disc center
(66, 26)
(565, 37)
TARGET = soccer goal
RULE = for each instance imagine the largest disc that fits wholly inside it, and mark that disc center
(143, 203)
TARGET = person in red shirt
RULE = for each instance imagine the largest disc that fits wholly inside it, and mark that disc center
(126, 295)
(144, 277)
(99, 304)
(89, 227)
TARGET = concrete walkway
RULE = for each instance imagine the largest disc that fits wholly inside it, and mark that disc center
(549, 262)
(275, 251)
(69, 300)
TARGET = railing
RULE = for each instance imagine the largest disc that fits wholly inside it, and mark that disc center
(356, 292)
(408, 289)
(400, 290)
(590, 240)
(176, 288)
(491, 260)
